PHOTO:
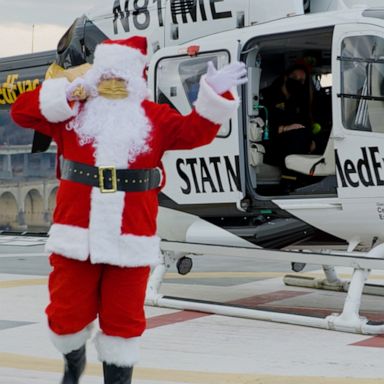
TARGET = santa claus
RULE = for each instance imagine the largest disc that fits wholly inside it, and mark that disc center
(111, 139)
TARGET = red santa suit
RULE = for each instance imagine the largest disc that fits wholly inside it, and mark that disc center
(94, 234)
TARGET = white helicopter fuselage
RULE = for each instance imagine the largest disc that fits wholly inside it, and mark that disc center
(184, 35)
(232, 191)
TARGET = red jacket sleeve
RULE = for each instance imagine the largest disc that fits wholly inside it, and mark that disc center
(199, 127)
(26, 113)
(181, 132)
(42, 108)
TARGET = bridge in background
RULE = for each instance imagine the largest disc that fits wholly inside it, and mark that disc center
(28, 187)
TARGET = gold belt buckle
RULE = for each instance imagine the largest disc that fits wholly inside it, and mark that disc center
(113, 179)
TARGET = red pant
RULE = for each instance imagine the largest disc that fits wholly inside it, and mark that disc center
(81, 291)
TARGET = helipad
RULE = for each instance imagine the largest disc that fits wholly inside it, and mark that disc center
(198, 348)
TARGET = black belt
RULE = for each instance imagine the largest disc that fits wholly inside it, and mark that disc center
(110, 179)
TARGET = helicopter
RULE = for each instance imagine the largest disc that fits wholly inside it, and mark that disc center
(230, 197)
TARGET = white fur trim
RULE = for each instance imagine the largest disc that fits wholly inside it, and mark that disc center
(118, 350)
(105, 225)
(107, 244)
(213, 106)
(119, 60)
(53, 101)
(143, 250)
(69, 241)
(68, 343)
(104, 246)
(126, 251)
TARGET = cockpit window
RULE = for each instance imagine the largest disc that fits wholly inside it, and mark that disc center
(190, 72)
(362, 83)
(178, 81)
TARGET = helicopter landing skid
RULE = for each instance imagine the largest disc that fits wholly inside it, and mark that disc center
(348, 321)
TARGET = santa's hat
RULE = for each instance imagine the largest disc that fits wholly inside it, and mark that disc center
(123, 58)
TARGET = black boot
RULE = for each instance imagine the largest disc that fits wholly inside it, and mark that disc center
(117, 375)
(74, 366)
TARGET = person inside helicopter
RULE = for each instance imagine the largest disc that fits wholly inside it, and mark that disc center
(289, 103)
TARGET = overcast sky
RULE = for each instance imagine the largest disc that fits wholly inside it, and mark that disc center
(50, 18)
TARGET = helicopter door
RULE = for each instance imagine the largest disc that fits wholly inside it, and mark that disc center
(359, 121)
(209, 174)
(282, 165)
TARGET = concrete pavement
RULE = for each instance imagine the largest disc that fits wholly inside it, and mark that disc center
(190, 347)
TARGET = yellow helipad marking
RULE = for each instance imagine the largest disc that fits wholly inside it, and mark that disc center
(23, 282)
(195, 275)
(30, 363)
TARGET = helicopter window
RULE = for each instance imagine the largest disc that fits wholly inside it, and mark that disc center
(16, 160)
(190, 72)
(18, 75)
(178, 81)
(362, 83)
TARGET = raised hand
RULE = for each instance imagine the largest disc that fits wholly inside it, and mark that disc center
(222, 80)
(77, 90)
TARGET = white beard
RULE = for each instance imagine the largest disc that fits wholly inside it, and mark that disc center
(117, 129)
